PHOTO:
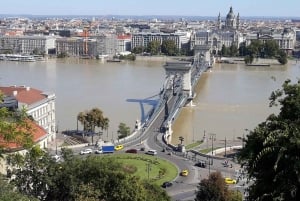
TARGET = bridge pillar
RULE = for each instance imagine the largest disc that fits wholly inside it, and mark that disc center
(183, 69)
(187, 85)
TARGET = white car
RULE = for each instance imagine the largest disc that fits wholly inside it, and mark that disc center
(151, 152)
(56, 158)
(86, 151)
(98, 151)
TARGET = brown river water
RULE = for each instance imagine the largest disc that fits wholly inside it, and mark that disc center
(230, 98)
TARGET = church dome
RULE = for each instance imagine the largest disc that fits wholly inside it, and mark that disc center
(230, 15)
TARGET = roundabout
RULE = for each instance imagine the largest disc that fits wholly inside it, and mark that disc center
(152, 168)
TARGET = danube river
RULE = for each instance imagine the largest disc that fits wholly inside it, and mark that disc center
(230, 98)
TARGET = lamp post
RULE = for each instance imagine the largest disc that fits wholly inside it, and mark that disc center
(55, 148)
(225, 147)
(212, 136)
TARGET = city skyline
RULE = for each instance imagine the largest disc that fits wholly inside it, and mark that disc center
(288, 8)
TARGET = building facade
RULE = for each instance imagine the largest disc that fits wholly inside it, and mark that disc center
(27, 44)
(143, 38)
(225, 33)
(285, 38)
(39, 105)
(76, 46)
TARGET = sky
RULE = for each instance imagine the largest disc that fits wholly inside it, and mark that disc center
(274, 8)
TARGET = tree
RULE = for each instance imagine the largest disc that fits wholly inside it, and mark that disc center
(248, 59)
(153, 47)
(271, 152)
(271, 48)
(31, 173)
(255, 48)
(224, 50)
(282, 58)
(92, 119)
(243, 49)
(233, 50)
(169, 47)
(138, 50)
(15, 127)
(79, 179)
(9, 193)
(212, 189)
(62, 55)
(123, 130)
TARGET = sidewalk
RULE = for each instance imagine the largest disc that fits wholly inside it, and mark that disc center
(56, 144)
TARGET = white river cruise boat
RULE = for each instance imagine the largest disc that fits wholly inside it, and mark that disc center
(17, 57)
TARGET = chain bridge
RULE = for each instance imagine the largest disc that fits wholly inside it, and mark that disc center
(178, 91)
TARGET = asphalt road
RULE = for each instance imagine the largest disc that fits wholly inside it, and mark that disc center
(183, 188)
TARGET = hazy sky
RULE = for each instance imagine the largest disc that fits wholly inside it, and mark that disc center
(152, 7)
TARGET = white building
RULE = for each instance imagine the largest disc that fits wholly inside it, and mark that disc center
(38, 104)
(286, 38)
(143, 38)
(27, 44)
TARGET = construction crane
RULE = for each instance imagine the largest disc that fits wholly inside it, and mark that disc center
(85, 43)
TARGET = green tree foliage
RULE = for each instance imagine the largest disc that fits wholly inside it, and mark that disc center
(130, 57)
(15, 127)
(169, 48)
(282, 57)
(249, 59)
(62, 55)
(9, 193)
(271, 152)
(153, 47)
(138, 50)
(224, 50)
(233, 50)
(271, 48)
(255, 48)
(215, 189)
(79, 179)
(31, 173)
(92, 119)
(243, 49)
(123, 130)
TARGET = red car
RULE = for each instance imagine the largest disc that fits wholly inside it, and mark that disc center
(133, 151)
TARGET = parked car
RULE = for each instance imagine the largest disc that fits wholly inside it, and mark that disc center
(228, 180)
(133, 151)
(142, 149)
(98, 151)
(201, 164)
(184, 173)
(119, 147)
(151, 152)
(166, 184)
(86, 151)
(56, 158)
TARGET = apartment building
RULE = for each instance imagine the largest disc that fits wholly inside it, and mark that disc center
(143, 38)
(76, 46)
(123, 43)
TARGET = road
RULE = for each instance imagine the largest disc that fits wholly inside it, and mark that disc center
(183, 187)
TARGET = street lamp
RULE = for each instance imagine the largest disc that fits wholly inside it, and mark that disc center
(212, 136)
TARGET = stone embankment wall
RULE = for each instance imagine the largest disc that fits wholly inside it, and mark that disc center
(157, 58)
